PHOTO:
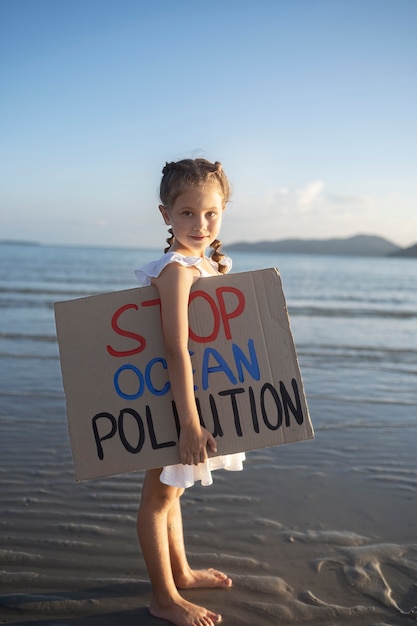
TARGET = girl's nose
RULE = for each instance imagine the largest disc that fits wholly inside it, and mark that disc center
(200, 222)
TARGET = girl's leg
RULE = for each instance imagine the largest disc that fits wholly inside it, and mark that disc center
(156, 502)
(184, 576)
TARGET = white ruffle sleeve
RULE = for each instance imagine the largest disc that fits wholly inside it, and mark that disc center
(154, 268)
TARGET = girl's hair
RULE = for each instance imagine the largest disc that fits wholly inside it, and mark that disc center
(178, 176)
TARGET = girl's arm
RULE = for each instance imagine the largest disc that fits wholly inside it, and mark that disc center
(174, 285)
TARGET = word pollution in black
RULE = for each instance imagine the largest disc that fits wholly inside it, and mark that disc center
(270, 408)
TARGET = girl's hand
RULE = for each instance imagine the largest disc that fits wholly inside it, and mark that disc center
(193, 444)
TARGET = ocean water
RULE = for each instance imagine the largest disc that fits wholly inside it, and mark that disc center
(354, 322)
(70, 549)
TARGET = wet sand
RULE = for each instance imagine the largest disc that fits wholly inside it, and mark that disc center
(320, 532)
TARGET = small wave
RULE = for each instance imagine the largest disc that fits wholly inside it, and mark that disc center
(356, 399)
(13, 556)
(327, 536)
(400, 482)
(298, 611)
(28, 336)
(51, 542)
(29, 357)
(47, 605)
(263, 584)
(346, 356)
(44, 291)
(32, 393)
(341, 312)
(353, 349)
(225, 560)
(111, 517)
(17, 577)
(94, 529)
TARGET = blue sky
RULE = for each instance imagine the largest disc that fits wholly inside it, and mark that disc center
(309, 104)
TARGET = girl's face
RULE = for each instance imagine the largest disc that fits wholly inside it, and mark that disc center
(195, 218)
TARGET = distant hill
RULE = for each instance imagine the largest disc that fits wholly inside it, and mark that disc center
(359, 245)
(410, 253)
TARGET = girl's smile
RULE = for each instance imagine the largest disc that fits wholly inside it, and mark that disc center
(195, 218)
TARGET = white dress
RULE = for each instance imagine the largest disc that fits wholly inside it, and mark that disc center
(186, 475)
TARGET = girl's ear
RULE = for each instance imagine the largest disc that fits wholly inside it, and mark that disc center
(165, 215)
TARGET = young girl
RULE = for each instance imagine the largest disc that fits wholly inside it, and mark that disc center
(194, 193)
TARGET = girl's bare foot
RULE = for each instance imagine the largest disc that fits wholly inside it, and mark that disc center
(183, 613)
(202, 578)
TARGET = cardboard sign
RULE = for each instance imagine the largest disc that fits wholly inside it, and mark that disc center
(248, 386)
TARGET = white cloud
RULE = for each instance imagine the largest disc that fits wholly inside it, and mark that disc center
(310, 211)
(309, 194)
(312, 199)
(299, 200)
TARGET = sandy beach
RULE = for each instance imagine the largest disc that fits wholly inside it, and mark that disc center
(319, 532)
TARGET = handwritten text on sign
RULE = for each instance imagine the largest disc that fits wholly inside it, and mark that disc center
(247, 383)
